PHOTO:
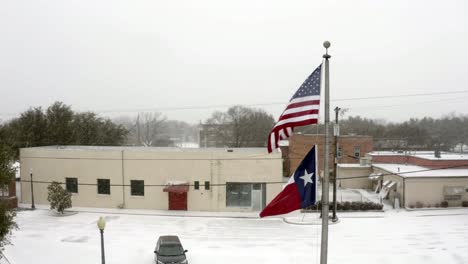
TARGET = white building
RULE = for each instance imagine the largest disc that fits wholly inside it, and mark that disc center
(154, 178)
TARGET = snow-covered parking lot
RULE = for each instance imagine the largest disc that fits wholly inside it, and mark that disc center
(392, 237)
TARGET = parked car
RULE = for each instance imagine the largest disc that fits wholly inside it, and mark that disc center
(169, 250)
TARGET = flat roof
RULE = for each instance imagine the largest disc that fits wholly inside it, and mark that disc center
(148, 149)
(352, 165)
(429, 155)
(413, 171)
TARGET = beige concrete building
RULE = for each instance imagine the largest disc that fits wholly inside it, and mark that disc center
(415, 184)
(416, 178)
(154, 178)
(351, 176)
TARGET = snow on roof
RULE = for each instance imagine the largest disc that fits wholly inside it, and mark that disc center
(423, 154)
(352, 165)
(149, 149)
(187, 145)
(176, 182)
(413, 171)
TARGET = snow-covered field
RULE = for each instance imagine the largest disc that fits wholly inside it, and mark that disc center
(393, 237)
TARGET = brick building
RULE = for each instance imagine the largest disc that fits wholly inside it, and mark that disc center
(350, 149)
(8, 193)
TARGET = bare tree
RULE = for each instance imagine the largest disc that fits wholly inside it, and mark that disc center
(239, 126)
(149, 127)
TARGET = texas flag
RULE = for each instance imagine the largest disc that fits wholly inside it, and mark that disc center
(300, 191)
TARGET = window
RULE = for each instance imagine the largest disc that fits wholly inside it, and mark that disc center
(71, 185)
(137, 188)
(207, 185)
(339, 153)
(238, 194)
(452, 197)
(4, 192)
(103, 186)
(357, 152)
(256, 186)
(196, 185)
(453, 193)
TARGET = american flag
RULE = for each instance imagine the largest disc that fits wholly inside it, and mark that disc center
(302, 110)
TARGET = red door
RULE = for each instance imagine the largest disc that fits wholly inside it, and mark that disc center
(177, 201)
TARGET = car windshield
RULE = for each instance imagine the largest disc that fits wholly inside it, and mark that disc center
(171, 250)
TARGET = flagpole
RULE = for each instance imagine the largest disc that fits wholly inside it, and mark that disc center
(325, 182)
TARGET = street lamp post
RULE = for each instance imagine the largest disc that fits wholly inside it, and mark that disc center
(32, 190)
(101, 225)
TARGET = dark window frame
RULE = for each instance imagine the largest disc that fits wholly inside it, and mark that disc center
(196, 185)
(134, 184)
(71, 184)
(207, 185)
(103, 186)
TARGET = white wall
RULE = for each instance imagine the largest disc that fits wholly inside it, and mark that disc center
(155, 168)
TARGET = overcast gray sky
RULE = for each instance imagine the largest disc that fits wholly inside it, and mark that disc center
(134, 55)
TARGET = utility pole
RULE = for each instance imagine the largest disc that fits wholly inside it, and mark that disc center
(326, 176)
(336, 133)
(32, 190)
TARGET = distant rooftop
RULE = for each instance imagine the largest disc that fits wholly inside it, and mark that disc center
(423, 154)
(341, 136)
(352, 165)
(413, 171)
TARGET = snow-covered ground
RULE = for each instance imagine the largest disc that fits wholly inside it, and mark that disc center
(392, 237)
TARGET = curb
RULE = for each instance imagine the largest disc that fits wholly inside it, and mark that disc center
(144, 214)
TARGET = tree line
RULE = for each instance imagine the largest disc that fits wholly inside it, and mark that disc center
(448, 133)
(60, 125)
(239, 126)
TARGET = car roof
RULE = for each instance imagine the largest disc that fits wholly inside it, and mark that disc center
(169, 239)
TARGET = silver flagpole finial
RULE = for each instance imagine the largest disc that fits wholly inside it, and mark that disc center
(326, 45)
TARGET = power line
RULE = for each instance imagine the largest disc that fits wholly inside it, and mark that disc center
(412, 103)
(201, 107)
(400, 95)
(272, 182)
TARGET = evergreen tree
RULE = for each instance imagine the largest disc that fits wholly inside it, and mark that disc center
(59, 198)
(59, 125)
(7, 223)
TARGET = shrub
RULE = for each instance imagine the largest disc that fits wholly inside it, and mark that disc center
(355, 206)
(465, 203)
(58, 197)
(347, 206)
(437, 205)
(444, 204)
(411, 206)
(419, 205)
